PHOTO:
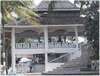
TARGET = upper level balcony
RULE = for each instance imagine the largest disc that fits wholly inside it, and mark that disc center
(61, 39)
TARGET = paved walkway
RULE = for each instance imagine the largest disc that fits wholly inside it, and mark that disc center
(93, 73)
(76, 73)
(45, 75)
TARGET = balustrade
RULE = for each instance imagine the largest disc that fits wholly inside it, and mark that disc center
(61, 45)
(29, 45)
(41, 45)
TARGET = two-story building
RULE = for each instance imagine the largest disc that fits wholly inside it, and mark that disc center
(53, 42)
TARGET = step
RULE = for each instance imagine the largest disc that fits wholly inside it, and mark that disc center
(32, 74)
(70, 64)
(64, 70)
(95, 73)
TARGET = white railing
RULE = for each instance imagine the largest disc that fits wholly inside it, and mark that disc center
(41, 45)
(62, 45)
(29, 45)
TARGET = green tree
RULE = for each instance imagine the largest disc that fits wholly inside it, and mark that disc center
(90, 10)
(23, 11)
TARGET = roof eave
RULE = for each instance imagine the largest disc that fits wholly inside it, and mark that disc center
(59, 10)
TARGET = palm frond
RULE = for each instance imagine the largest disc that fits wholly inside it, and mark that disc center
(20, 8)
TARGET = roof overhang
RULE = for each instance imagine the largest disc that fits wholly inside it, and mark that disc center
(32, 26)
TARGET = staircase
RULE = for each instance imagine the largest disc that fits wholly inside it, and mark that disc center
(72, 66)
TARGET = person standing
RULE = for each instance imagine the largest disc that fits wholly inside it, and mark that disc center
(30, 66)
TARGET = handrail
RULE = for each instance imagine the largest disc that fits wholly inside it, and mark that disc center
(59, 57)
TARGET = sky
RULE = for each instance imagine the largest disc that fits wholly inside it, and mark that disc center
(38, 1)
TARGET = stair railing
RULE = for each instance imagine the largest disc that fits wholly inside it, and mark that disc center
(58, 58)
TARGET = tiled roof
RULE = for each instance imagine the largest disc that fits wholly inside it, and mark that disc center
(59, 6)
(57, 18)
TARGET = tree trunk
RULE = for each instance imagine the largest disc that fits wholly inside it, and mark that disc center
(4, 52)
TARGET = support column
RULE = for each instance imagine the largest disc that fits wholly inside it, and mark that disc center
(13, 49)
(0, 45)
(46, 47)
(76, 35)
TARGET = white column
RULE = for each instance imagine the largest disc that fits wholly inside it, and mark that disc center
(76, 35)
(46, 47)
(0, 50)
(13, 49)
(0, 45)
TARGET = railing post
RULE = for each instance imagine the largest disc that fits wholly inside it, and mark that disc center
(46, 47)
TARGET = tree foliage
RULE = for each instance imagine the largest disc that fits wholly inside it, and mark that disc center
(90, 10)
(21, 9)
